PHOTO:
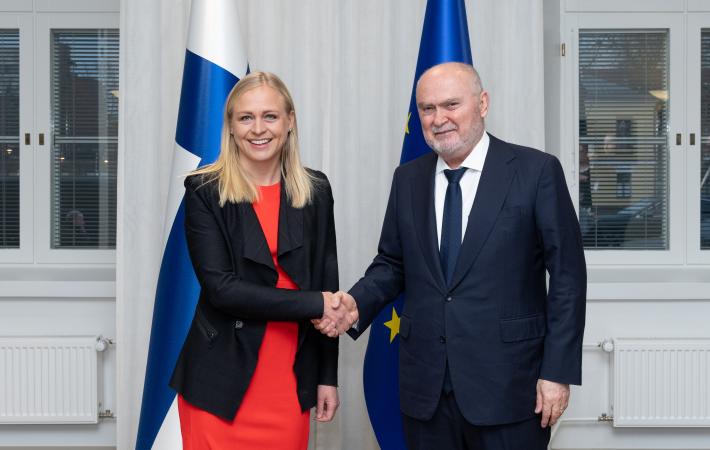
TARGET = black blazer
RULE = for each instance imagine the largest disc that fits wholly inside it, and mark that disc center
(237, 277)
(497, 324)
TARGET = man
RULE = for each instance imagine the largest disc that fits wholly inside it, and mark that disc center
(469, 233)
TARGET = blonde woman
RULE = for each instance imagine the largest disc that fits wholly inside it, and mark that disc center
(261, 237)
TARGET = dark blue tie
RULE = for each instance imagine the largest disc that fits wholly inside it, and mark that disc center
(451, 239)
(451, 223)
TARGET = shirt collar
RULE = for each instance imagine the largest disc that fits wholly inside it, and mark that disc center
(474, 160)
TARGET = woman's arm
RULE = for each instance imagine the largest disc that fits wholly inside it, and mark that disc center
(225, 290)
(328, 361)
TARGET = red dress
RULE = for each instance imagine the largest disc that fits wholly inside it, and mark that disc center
(269, 417)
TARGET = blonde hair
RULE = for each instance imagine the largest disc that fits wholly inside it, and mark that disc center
(234, 184)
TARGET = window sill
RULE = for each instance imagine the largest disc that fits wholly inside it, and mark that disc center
(648, 284)
(37, 281)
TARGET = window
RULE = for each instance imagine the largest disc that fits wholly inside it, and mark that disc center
(705, 140)
(634, 132)
(623, 138)
(84, 138)
(59, 97)
(9, 139)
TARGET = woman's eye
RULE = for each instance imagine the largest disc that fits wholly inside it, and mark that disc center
(244, 118)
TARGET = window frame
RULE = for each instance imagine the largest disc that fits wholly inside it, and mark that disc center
(45, 23)
(695, 24)
(674, 23)
(23, 23)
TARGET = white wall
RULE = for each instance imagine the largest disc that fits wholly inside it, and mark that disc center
(29, 315)
(609, 318)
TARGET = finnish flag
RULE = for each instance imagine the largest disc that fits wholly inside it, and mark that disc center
(214, 61)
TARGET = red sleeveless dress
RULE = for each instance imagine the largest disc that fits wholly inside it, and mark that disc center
(269, 417)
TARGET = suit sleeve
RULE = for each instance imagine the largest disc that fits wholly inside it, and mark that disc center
(225, 290)
(328, 368)
(384, 279)
(563, 251)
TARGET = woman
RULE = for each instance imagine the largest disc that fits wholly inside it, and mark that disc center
(261, 237)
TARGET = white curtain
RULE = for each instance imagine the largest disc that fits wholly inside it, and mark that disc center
(350, 67)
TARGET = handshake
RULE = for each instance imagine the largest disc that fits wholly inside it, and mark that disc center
(339, 314)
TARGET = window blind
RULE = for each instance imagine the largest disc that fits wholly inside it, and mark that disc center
(9, 139)
(84, 108)
(623, 138)
(705, 140)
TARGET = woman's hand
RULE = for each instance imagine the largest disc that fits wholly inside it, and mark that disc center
(327, 403)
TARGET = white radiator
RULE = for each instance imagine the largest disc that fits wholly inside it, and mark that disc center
(48, 380)
(661, 382)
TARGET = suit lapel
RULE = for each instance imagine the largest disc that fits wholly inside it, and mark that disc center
(492, 190)
(425, 218)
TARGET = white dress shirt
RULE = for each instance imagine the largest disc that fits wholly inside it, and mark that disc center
(469, 183)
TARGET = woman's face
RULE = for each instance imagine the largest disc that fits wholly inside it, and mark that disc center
(260, 126)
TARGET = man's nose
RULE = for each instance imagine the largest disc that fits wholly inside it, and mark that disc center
(439, 117)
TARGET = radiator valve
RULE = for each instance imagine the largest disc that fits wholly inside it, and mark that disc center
(605, 418)
(102, 343)
(607, 345)
(107, 414)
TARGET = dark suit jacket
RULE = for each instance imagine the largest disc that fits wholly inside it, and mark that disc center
(237, 277)
(497, 324)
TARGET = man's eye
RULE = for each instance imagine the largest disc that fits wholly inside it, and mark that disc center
(452, 105)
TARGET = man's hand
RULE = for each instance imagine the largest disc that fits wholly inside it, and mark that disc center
(339, 314)
(327, 403)
(552, 400)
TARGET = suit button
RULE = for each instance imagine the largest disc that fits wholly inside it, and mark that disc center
(238, 324)
(449, 298)
(442, 339)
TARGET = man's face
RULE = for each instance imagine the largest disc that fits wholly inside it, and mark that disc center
(451, 111)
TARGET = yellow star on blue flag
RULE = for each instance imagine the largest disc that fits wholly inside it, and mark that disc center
(393, 325)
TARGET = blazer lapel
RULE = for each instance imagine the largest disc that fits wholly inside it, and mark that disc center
(492, 190)
(425, 219)
(290, 241)
(255, 246)
(289, 251)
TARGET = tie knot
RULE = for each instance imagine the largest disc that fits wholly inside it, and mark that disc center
(454, 175)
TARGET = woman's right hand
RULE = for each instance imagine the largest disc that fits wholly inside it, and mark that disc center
(339, 314)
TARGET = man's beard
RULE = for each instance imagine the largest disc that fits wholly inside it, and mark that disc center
(443, 148)
(448, 148)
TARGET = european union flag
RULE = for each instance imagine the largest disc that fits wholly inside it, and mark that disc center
(214, 62)
(444, 39)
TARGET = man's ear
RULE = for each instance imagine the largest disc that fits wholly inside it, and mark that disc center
(483, 104)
